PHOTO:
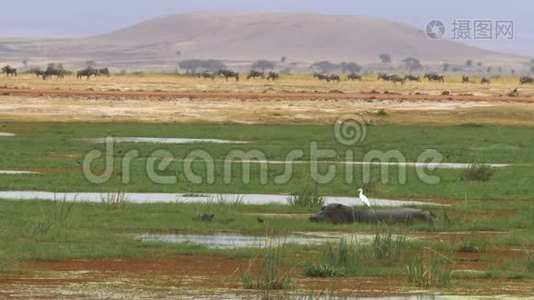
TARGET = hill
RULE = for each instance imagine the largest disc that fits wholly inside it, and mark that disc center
(241, 38)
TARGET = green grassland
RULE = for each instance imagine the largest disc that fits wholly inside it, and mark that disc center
(57, 151)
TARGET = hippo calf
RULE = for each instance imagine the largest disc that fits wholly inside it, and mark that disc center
(339, 213)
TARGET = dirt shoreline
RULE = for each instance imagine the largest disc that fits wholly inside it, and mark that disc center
(338, 95)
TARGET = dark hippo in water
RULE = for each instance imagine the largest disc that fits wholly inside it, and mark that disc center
(339, 213)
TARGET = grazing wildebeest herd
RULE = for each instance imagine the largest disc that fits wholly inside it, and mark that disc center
(59, 73)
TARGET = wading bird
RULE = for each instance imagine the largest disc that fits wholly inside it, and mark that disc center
(363, 198)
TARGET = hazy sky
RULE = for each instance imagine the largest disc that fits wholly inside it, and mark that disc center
(61, 18)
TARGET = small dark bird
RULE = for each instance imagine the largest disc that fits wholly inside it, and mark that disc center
(205, 217)
(260, 220)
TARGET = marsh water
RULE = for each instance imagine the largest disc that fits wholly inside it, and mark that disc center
(253, 199)
(13, 172)
(230, 240)
(156, 140)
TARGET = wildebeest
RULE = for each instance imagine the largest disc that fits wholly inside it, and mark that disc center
(37, 71)
(485, 80)
(320, 76)
(412, 78)
(254, 74)
(354, 76)
(334, 78)
(9, 71)
(339, 214)
(465, 79)
(87, 72)
(273, 76)
(52, 71)
(102, 72)
(434, 77)
(396, 78)
(392, 78)
(383, 76)
(526, 79)
(228, 74)
(206, 74)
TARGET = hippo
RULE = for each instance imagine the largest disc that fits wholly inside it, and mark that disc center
(339, 214)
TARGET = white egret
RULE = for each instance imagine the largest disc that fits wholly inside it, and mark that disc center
(363, 198)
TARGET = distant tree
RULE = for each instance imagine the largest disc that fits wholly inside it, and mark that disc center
(285, 71)
(55, 65)
(90, 63)
(446, 67)
(283, 59)
(350, 67)
(213, 65)
(190, 65)
(25, 63)
(385, 58)
(263, 64)
(488, 69)
(532, 69)
(194, 65)
(324, 66)
(469, 62)
(479, 64)
(513, 71)
(412, 64)
(178, 53)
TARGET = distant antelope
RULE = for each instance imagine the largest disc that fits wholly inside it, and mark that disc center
(52, 71)
(526, 79)
(273, 76)
(320, 76)
(9, 71)
(206, 75)
(253, 74)
(87, 72)
(435, 77)
(354, 76)
(465, 79)
(334, 78)
(102, 72)
(412, 78)
(228, 74)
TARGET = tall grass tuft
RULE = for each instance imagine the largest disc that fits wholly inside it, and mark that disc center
(388, 247)
(432, 269)
(309, 196)
(269, 275)
(57, 216)
(529, 259)
(473, 245)
(338, 260)
(114, 201)
(477, 172)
